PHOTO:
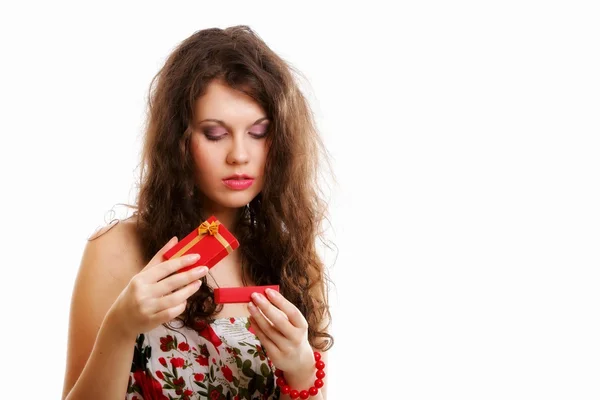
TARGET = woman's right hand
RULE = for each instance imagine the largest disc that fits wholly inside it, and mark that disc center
(156, 294)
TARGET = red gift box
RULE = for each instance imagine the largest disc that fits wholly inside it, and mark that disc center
(211, 240)
(240, 294)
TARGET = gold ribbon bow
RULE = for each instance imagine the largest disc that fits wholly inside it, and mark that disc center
(211, 228)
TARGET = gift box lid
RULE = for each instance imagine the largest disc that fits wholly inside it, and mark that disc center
(240, 294)
(213, 245)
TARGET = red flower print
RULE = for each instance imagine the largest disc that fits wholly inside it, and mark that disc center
(167, 343)
(188, 392)
(214, 361)
(260, 352)
(179, 382)
(202, 360)
(150, 387)
(183, 346)
(160, 375)
(209, 334)
(232, 320)
(177, 362)
(201, 325)
(199, 377)
(162, 361)
(204, 350)
(214, 395)
(227, 373)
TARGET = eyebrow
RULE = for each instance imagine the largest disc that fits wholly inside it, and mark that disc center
(218, 121)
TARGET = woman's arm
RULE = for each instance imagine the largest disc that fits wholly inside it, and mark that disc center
(98, 356)
(113, 300)
(283, 332)
(304, 380)
(106, 373)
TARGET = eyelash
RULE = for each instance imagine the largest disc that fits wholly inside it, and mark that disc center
(213, 138)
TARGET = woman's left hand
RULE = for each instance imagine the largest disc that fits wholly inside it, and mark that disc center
(283, 333)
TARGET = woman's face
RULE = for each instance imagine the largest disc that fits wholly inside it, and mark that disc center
(228, 146)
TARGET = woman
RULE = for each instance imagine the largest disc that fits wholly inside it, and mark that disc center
(229, 134)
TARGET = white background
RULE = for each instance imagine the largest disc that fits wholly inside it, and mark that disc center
(464, 138)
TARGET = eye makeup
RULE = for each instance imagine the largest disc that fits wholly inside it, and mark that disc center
(215, 133)
(260, 130)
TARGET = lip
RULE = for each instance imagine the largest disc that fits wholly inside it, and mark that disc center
(238, 176)
(238, 182)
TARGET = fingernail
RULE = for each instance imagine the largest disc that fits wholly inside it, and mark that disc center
(257, 297)
(194, 257)
(251, 308)
(200, 270)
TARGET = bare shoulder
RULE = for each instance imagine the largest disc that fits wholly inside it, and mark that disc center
(111, 257)
(114, 248)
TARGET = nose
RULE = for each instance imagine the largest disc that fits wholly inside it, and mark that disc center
(238, 153)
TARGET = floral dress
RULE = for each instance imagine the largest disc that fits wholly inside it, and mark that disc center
(222, 359)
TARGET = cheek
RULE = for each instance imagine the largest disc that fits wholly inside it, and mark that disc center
(202, 158)
(261, 153)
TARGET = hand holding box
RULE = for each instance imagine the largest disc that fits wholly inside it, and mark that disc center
(211, 240)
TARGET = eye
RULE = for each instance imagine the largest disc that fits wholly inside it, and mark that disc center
(258, 135)
(259, 132)
(215, 133)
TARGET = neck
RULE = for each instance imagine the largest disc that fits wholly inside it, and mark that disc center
(227, 216)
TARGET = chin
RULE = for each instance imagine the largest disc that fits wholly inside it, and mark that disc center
(233, 204)
(237, 200)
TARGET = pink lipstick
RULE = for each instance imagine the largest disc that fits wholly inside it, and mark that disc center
(238, 181)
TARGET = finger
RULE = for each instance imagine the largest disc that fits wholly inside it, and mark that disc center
(265, 326)
(267, 343)
(279, 320)
(167, 268)
(170, 313)
(177, 297)
(290, 310)
(176, 281)
(158, 257)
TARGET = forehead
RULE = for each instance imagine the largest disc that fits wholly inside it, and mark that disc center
(222, 102)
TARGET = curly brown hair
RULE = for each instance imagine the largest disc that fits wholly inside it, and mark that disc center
(279, 228)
